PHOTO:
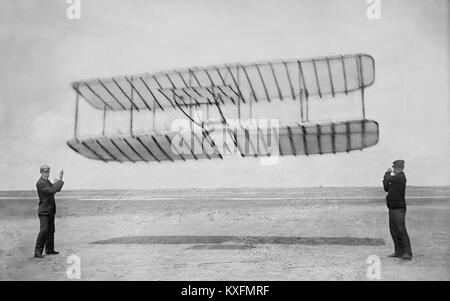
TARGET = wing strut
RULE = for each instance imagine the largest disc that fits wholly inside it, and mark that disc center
(104, 120)
(361, 83)
(77, 100)
(305, 88)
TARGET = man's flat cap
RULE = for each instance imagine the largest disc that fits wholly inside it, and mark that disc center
(44, 168)
(399, 163)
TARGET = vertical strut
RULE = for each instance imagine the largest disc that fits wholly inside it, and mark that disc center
(239, 97)
(77, 100)
(345, 74)
(190, 101)
(300, 92)
(251, 101)
(154, 115)
(301, 105)
(191, 113)
(361, 76)
(104, 120)
(307, 108)
(131, 109)
(304, 87)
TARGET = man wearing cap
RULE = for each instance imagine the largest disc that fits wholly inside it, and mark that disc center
(394, 183)
(47, 210)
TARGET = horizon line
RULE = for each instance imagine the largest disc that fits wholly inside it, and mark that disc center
(206, 188)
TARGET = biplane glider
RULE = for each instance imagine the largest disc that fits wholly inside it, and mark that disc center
(229, 86)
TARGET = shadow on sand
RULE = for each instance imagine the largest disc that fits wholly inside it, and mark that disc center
(246, 240)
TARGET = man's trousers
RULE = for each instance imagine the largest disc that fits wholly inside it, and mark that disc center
(398, 232)
(46, 235)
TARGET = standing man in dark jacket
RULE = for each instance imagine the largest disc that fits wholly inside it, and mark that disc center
(47, 210)
(394, 183)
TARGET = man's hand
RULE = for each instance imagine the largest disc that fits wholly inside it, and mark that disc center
(389, 170)
(61, 173)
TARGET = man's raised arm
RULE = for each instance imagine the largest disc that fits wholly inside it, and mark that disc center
(386, 179)
(48, 188)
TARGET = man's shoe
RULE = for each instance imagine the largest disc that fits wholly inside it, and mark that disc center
(52, 253)
(393, 256)
(38, 256)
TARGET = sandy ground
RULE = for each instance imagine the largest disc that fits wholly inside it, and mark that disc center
(302, 234)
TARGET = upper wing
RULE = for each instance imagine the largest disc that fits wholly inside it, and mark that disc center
(226, 83)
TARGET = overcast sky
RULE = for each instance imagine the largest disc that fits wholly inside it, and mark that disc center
(42, 52)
